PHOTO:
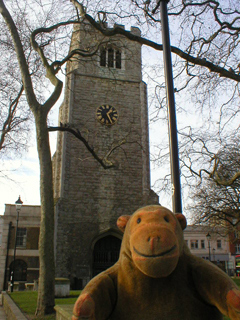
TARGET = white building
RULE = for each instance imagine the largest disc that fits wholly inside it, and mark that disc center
(27, 255)
(214, 248)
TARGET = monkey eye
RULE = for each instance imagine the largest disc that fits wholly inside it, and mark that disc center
(139, 220)
(166, 218)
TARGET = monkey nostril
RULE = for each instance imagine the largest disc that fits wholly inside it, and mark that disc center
(148, 239)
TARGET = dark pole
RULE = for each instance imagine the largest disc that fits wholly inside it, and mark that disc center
(18, 208)
(6, 262)
(209, 253)
(209, 246)
(172, 122)
(14, 254)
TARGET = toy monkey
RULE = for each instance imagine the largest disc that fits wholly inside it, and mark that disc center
(157, 277)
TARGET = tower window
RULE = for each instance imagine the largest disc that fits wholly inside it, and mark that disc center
(103, 57)
(118, 60)
(110, 58)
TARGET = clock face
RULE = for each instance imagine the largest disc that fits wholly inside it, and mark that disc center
(107, 115)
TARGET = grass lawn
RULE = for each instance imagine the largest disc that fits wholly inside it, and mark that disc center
(27, 302)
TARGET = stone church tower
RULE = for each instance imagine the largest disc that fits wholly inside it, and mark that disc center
(106, 100)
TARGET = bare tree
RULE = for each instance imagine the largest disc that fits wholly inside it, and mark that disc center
(201, 63)
(40, 108)
(14, 124)
(40, 111)
(12, 128)
(207, 101)
(216, 200)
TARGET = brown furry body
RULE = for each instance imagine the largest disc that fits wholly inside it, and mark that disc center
(157, 278)
(173, 297)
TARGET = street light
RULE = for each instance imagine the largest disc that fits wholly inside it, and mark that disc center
(213, 254)
(209, 246)
(18, 204)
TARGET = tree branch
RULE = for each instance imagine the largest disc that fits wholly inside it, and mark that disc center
(195, 60)
(223, 182)
(27, 83)
(8, 123)
(78, 135)
(50, 72)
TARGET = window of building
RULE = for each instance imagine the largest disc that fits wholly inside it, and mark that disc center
(219, 244)
(202, 244)
(186, 241)
(237, 248)
(110, 58)
(21, 237)
(236, 234)
(194, 244)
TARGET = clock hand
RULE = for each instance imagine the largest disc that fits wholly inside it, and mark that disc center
(108, 115)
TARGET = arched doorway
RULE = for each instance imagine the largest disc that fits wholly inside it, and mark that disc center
(105, 253)
(20, 270)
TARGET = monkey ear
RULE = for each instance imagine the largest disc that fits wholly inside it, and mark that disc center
(122, 222)
(182, 220)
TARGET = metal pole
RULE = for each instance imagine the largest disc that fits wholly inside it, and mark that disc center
(172, 122)
(6, 262)
(209, 247)
(14, 254)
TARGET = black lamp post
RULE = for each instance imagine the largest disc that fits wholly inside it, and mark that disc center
(213, 254)
(209, 245)
(18, 204)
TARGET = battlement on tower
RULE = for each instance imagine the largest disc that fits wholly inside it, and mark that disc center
(105, 56)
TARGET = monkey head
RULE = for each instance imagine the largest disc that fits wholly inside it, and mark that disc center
(153, 239)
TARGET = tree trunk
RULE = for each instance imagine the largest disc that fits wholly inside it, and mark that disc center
(45, 303)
